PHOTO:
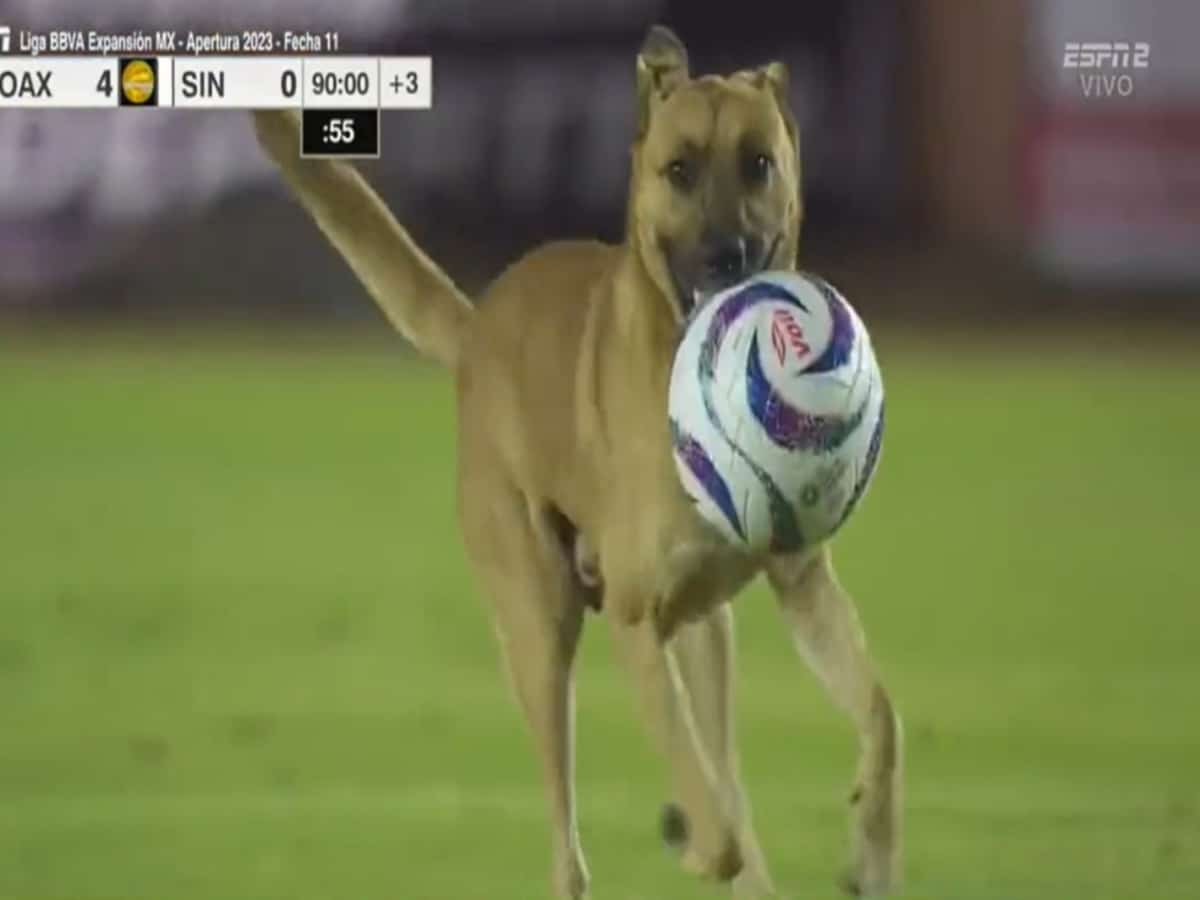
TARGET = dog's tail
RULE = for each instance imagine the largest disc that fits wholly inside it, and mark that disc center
(415, 294)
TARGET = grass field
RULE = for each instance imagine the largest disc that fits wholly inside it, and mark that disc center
(241, 656)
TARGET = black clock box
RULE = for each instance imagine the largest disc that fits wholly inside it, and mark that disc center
(340, 132)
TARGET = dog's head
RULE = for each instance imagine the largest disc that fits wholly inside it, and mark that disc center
(715, 194)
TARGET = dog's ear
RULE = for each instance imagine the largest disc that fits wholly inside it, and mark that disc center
(774, 77)
(662, 65)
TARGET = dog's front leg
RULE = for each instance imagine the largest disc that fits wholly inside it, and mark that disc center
(827, 633)
(705, 650)
(712, 849)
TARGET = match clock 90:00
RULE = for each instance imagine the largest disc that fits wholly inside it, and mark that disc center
(340, 84)
(340, 132)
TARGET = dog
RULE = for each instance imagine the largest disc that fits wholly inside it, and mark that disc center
(567, 494)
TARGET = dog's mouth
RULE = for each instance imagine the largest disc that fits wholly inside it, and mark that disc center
(695, 284)
(690, 299)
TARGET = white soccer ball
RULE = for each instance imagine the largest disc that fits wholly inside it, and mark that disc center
(776, 411)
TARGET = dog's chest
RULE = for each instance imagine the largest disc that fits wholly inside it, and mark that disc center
(676, 564)
(657, 555)
(697, 570)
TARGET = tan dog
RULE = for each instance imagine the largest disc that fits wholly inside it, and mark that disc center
(567, 492)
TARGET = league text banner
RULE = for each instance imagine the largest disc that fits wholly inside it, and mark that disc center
(62, 82)
(340, 82)
(405, 82)
(266, 82)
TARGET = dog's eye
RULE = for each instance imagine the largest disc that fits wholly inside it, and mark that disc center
(680, 173)
(758, 167)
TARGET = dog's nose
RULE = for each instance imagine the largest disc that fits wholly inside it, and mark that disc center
(727, 261)
(733, 259)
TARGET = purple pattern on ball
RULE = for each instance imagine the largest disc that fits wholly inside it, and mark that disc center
(733, 307)
(785, 530)
(701, 466)
(868, 469)
(787, 426)
(841, 333)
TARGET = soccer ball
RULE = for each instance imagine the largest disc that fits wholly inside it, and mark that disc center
(776, 411)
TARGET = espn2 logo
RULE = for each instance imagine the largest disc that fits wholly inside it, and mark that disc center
(1106, 54)
(5, 38)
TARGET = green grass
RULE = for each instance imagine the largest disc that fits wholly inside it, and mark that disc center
(241, 655)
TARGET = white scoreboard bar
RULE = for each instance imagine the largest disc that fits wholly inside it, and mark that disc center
(236, 82)
(216, 82)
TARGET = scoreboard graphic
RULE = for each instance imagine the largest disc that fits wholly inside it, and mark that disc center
(339, 97)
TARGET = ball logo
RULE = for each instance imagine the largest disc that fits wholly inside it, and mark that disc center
(137, 81)
(786, 332)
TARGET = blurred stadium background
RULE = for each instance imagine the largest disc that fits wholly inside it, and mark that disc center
(240, 653)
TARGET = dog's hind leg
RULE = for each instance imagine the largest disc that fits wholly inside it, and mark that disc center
(538, 619)
(705, 650)
(706, 828)
(827, 633)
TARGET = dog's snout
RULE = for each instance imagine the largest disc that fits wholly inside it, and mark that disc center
(733, 259)
(728, 259)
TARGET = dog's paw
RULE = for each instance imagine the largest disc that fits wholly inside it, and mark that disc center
(875, 840)
(721, 861)
(873, 871)
(571, 878)
(673, 826)
(859, 881)
(750, 885)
